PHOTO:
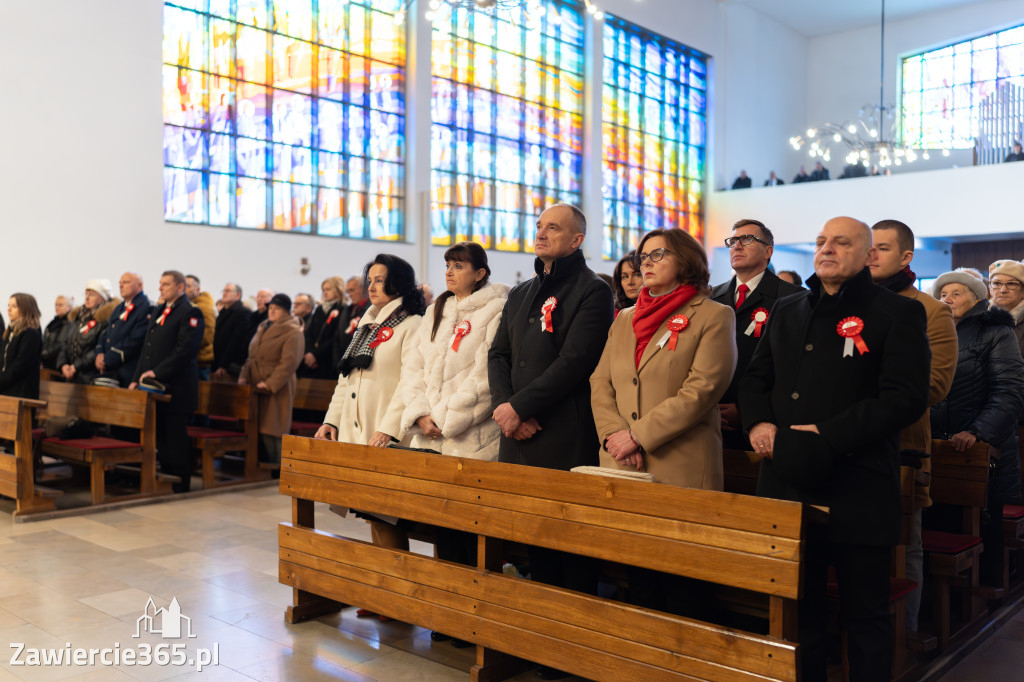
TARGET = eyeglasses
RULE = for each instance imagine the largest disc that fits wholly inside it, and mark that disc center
(745, 240)
(654, 256)
(1009, 286)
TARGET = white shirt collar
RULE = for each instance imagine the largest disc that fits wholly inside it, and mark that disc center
(751, 283)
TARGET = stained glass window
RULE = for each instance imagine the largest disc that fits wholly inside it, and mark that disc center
(942, 89)
(279, 115)
(654, 136)
(507, 123)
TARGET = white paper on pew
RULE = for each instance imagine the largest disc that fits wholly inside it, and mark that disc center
(615, 473)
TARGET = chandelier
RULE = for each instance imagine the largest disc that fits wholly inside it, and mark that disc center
(869, 138)
(512, 10)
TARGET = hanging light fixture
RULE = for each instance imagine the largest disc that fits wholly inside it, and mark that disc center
(868, 139)
(512, 10)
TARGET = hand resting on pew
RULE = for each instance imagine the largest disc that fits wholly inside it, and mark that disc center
(326, 432)
(963, 441)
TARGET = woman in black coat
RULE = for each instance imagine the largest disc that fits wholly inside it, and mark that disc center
(985, 401)
(20, 349)
(318, 361)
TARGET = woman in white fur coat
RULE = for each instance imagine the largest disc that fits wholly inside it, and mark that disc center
(444, 386)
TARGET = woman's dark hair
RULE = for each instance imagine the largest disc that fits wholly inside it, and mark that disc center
(621, 300)
(464, 252)
(28, 315)
(400, 281)
(693, 259)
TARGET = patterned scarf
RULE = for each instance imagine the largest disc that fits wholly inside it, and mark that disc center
(360, 352)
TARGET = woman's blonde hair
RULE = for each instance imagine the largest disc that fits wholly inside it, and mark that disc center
(28, 315)
(338, 284)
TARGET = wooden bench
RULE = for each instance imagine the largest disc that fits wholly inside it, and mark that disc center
(17, 470)
(753, 544)
(959, 479)
(741, 469)
(311, 395)
(238, 405)
(116, 407)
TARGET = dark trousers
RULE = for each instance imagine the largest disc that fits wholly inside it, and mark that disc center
(862, 572)
(172, 446)
(562, 569)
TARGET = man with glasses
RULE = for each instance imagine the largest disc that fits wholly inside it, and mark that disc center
(752, 292)
(1006, 292)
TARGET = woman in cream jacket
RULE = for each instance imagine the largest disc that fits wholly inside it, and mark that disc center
(444, 386)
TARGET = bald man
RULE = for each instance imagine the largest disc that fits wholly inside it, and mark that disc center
(120, 344)
(840, 369)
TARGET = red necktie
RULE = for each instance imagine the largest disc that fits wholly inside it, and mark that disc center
(742, 289)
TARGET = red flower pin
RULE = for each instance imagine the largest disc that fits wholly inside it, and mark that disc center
(757, 321)
(461, 329)
(850, 329)
(383, 334)
(549, 305)
(676, 324)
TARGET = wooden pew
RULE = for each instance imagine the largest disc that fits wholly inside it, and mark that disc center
(312, 395)
(17, 471)
(749, 543)
(237, 404)
(952, 559)
(116, 407)
(741, 469)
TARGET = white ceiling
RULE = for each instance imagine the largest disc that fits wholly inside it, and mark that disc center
(820, 17)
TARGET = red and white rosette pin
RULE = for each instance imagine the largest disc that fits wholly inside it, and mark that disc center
(545, 322)
(163, 317)
(127, 310)
(87, 326)
(461, 329)
(383, 334)
(676, 324)
(352, 324)
(757, 320)
(334, 314)
(850, 329)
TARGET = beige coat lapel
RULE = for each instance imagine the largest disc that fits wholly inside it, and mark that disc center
(689, 309)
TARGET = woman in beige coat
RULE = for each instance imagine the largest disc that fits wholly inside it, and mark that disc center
(274, 354)
(655, 392)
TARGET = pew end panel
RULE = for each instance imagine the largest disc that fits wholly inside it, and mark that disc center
(17, 468)
(312, 398)
(238, 405)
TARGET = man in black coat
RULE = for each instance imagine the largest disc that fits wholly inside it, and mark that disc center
(752, 292)
(117, 352)
(169, 353)
(356, 290)
(840, 369)
(550, 338)
(231, 334)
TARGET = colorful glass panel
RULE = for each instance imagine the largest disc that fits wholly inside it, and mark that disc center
(507, 136)
(653, 135)
(276, 117)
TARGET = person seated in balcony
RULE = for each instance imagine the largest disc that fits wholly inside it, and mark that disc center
(802, 176)
(773, 180)
(1016, 154)
(819, 173)
(742, 182)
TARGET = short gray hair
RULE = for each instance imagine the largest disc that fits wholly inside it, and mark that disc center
(579, 220)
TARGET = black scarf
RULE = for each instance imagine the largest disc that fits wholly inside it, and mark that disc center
(360, 351)
(900, 281)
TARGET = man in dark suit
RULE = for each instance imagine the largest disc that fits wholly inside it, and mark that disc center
(840, 369)
(742, 182)
(119, 346)
(773, 180)
(752, 292)
(169, 353)
(549, 341)
(231, 335)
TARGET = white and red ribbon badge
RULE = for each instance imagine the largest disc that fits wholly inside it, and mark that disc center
(352, 324)
(850, 329)
(757, 320)
(193, 322)
(545, 322)
(167, 311)
(87, 326)
(334, 314)
(461, 329)
(676, 324)
(383, 334)
(127, 309)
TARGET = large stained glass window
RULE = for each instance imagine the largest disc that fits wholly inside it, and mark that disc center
(654, 136)
(942, 89)
(285, 115)
(507, 132)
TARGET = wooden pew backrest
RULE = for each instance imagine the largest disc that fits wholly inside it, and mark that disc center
(100, 404)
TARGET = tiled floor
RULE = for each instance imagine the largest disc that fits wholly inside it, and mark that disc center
(84, 582)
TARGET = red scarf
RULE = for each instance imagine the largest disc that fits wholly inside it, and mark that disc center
(651, 311)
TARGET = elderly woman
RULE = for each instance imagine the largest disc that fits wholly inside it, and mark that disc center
(77, 357)
(628, 281)
(274, 354)
(985, 401)
(366, 408)
(1006, 289)
(668, 361)
(20, 348)
(319, 333)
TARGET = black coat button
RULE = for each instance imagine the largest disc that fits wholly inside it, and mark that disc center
(635, 382)
(522, 363)
(634, 415)
(809, 346)
(353, 395)
(795, 395)
(531, 320)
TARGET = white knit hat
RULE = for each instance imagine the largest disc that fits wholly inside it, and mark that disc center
(101, 287)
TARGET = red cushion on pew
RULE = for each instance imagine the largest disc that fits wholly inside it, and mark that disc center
(203, 432)
(947, 543)
(306, 426)
(96, 443)
(1013, 511)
